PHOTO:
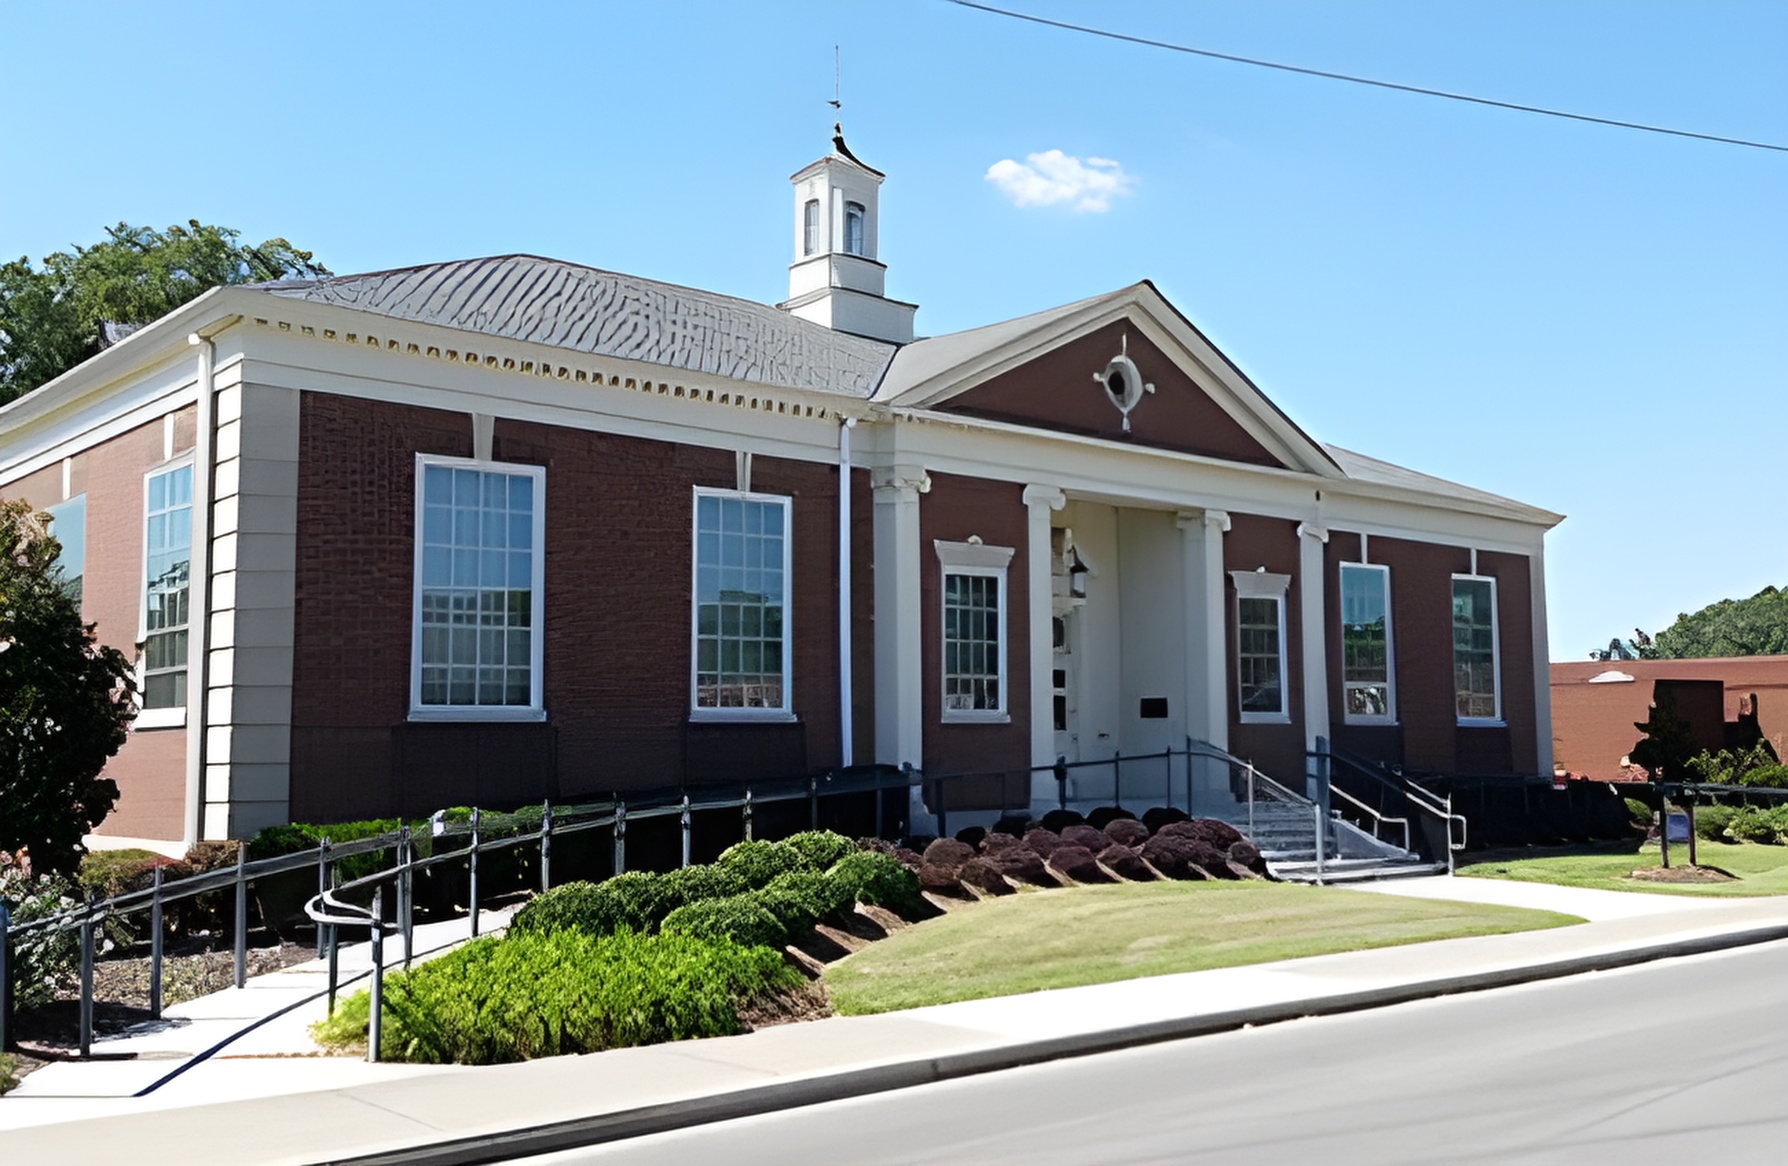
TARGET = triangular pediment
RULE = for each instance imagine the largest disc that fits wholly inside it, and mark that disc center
(1043, 372)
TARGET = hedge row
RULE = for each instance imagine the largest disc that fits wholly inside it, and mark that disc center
(540, 995)
(757, 893)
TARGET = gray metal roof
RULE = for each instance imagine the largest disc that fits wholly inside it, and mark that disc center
(1361, 468)
(546, 301)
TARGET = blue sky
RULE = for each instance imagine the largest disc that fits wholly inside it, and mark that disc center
(1589, 319)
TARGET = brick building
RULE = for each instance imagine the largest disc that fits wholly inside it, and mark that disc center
(493, 530)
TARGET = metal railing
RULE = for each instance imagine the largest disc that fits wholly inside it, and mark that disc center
(1378, 820)
(1254, 788)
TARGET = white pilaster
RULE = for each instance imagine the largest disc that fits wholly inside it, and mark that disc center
(1212, 617)
(1311, 540)
(1542, 651)
(899, 707)
(1041, 501)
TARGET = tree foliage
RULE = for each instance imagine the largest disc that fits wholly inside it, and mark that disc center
(1668, 743)
(53, 317)
(65, 702)
(1757, 626)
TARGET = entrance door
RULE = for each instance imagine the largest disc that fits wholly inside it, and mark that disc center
(1063, 686)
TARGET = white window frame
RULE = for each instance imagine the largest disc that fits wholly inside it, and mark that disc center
(975, 559)
(1495, 650)
(1389, 716)
(811, 220)
(535, 709)
(175, 716)
(1262, 585)
(707, 713)
(859, 212)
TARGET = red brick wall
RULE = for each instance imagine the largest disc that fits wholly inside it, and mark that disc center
(956, 509)
(151, 767)
(1277, 749)
(618, 514)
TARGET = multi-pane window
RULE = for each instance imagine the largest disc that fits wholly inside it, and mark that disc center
(1366, 642)
(167, 568)
(974, 649)
(853, 228)
(68, 523)
(1474, 648)
(741, 601)
(1260, 655)
(478, 585)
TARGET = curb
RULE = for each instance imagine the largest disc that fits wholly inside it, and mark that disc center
(575, 1133)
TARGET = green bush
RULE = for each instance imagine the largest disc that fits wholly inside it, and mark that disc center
(634, 900)
(1755, 824)
(757, 863)
(1772, 776)
(1638, 811)
(878, 880)
(821, 896)
(694, 884)
(524, 996)
(819, 849)
(1711, 821)
(9, 1075)
(744, 919)
(106, 874)
(39, 959)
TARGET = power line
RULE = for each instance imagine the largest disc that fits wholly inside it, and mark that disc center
(1171, 47)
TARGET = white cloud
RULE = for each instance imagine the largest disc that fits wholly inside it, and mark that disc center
(1054, 177)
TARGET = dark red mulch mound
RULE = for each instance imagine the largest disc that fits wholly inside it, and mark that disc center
(997, 841)
(911, 859)
(971, 835)
(1158, 816)
(1078, 863)
(982, 875)
(1013, 824)
(949, 854)
(1105, 815)
(1215, 862)
(1247, 856)
(1043, 841)
(1218, 834)
(1126, 863)
(879, 845)
(1090, 837)
(1059, 820)
(1173, 856)
(1024, 865)
(944, 880)
(1127, 832)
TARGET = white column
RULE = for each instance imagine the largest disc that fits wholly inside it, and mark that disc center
(899, 733)
(1311, 540)
(1214, 620)
(1542, 651)
(1041, 500)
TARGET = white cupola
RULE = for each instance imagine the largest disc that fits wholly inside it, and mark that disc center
(836, 279)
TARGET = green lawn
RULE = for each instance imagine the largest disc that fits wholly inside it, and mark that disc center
(1095, 935)
(1760, 870)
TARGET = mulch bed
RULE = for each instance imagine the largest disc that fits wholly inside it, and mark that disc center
(1683, 874)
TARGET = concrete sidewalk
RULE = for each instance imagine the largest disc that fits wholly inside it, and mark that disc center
(496, 1113)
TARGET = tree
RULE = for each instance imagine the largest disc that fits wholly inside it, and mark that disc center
(65, 702)
(1668, 743)
(53, 318)
(1757, 626)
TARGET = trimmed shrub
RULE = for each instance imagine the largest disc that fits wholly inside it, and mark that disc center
(743, 919)
(819, 849)
(1022, 864)
(1126, 832)
(982, 875)
(106, 874)
(634, 900)
(1090, 837)
(1014, 824)
(1711, 821)
(1638, 811)
(820, 897)
(695, 884)
(948, 854)
(878, 881)
(1247, 856)
(758, 863)
(1126, 863)
(996, 841)
(1754, 824)
(1173, 855)
(1060, 820)
(1158, 816)
(1043, 841)
(1103, 816)
(1078, 863)
(971, 836)
(495, 1001)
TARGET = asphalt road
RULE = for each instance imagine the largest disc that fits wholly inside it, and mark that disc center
(1682, 1062)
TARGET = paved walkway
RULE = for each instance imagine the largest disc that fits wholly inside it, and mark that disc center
(314, 1109)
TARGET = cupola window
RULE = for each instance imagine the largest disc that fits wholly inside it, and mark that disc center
(853, 228)
(810, 224)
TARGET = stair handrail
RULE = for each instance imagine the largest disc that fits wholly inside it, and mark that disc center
(1378, 818)
(1441, 806)
(1258, 782)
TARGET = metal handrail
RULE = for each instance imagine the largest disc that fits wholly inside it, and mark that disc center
(1378, 818)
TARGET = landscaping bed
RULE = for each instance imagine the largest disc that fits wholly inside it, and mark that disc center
(1735, 869)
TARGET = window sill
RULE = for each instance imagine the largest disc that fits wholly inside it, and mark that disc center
(1482, 723)
(976, 717)
(476, 713)
(174, 718)
(1266, 718)
(1380, 722)
(774, 716)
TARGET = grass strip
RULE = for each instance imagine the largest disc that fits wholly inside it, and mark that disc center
(1758, 869)
(1097, 935)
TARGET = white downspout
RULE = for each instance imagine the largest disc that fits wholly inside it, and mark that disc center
(199, 584)
(846, 743)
